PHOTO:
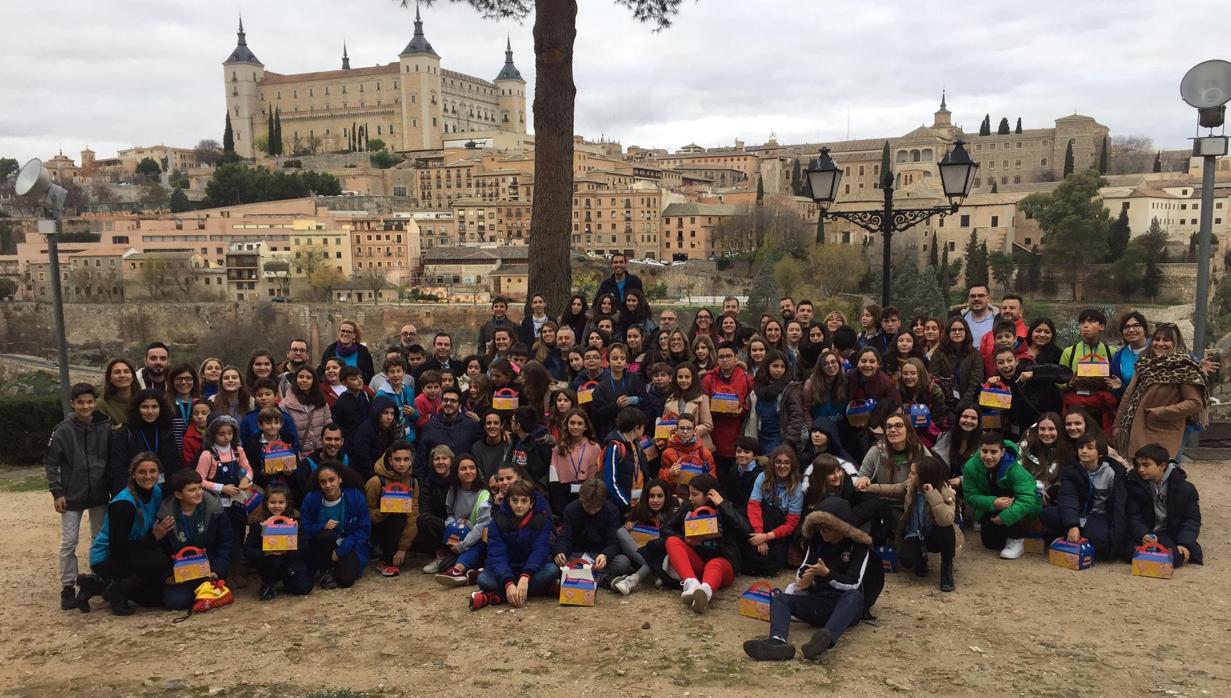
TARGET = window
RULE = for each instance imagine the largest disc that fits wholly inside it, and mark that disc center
(1124, 206)
(965, 221)
(952, 246)
(995, 221)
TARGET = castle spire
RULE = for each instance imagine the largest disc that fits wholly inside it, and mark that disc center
(419, 42)
(509, 71)
(242, 54)
(942, 100)
(345, 58)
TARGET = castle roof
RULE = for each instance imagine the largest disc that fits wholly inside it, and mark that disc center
(509, 71)
(242, 54)
(419, 42)
(272, 78)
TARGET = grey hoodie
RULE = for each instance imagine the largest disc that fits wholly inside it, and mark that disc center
(76, 462)
(1159, 492)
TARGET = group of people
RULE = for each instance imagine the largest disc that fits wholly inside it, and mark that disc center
(611, 436)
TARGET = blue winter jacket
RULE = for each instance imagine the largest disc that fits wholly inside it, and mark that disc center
(357, 529)
(517, 546)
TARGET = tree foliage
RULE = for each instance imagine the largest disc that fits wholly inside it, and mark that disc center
(946, 273)
(166, 278)
(1118, 236)
(1130, 154)
(1068, 159)
(237, 184)
(836, 268)
(1018, 129)
(985, 128)
(321, 275)
(179, 201)
(764, 294)
(228, 137)
(154, 197)
(7, 167)
(1002, 266)
(376, 144)
(1074, 223)
(976, 261)
(1003, 128)
(754, 229)
(148, 169)
(8, 287)
(208, 152)
(1104, 155)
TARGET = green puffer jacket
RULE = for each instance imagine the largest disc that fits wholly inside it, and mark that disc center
(1010, 477)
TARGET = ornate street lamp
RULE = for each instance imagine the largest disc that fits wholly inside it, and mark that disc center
(957, 176)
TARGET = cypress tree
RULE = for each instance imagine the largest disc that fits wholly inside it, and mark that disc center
(995, 189)
(795, 178)
(1158, 161)
(760, 190)
(1003, 129)
(228, 137)
(1117, 241)
(1104, 157)
(278, 131)
(933, 253)
(1018, 129)
(985, 128)
(1068, 159)
(271, 134)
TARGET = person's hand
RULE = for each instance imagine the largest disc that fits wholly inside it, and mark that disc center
(861, 484)
(245, 483)
(628, 525)
(820, 568)
(1184, 553)
(1025, 376)
(1149, 538)
(994, 380)
(758, 539)
(675, 469)
(996, 520)
(622, 401)
(473, 415)
(955, 482)
(230, 490)
(763, 549)
(523, 590)
(807, 578)
(455, 548)
(162, 527)
(334, 556)
(1074, 535)
(330, 525)
(408, 410)
(1002, 503)
(715, 497)
(559, 559)
(1209, 367)
(398, 558)
(61, 504)
(600, 562)
(1113, 383)
(927, 487)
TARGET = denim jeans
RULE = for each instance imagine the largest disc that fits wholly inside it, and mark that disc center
(539, 583)
(835, 610)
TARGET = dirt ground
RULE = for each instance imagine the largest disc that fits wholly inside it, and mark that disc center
(1012, 628)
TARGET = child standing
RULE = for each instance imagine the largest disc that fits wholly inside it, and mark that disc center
(428, 402)
(402, 395)
(195, 433)
(225, 472)
(705, 566)
(574, 459)
(268, 441)
(335, 522)
(518, 551)
(288, 567)
(392, 532)
(1163, 506)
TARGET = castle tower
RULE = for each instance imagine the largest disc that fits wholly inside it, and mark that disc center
(942, 117)
(242, 74)
(345, 58)
(419, 68)
(512, 95)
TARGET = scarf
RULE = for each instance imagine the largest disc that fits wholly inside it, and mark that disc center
(771, 391)
(1175, 368)
(346, 350)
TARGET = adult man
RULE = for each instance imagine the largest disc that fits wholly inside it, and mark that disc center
(296, 358)
(565, 339)
(667, 321)
(730, 306)
(1011, 308)
(332, 448)
(408, 336)
(979, 316)
(448, 427)
(534, 320)
(786, 306)
(804, 313)
(620, 281)
(154, 374)
(500, 320)
(442, 355)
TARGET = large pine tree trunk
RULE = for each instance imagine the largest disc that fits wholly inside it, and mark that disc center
(555, 29)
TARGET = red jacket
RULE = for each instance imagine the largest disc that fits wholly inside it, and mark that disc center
(728, 427)
(677, 452)
(192, 446)
(988, 343)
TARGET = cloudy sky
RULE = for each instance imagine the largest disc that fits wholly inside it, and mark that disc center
(117, 73)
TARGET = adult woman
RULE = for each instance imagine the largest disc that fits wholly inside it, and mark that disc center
(211, 373)
(1167, 389)
(958, 366)
(729, 332)
(703, 324)
(574, 315)
(833, 320)
(775, 406)
(677, 348)
(774, 335)
(336, 527)
(686, 397)
(825, 390)
(888, 463)
(1133, 330)
(118, 380)
(260, 365)
(704, 354)
(869, 323)
(574, 458)
(349, 349)
(547, 353)
(232, 397)
(183, 389)
(1042, 343)
(331, 386)
(306, 405)
(636, 311)
(127, 551)
(634, 337)
(956, 445)
(931, 338)
(147, 428)
(921, 399)
(1044, 453)
(905, 346)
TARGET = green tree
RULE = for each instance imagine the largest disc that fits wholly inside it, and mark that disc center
(836, 268)
(1126, 272)
(933, 252)
(796, 180)
(985, 128)
(946, 274)
(383, 159)
(207, 152)
(376, 144)
(1003, 129)
(179, 201)
(1030, 277)
(261, 143)
(1118, 236)
(763, 295)
(228, 137)
(1002, 266)
(148, 169)
(995, 187)
(1018, 128)
(8, 288)
(279, 147)
(1104, 156)
(153, 196)
(760, 191)
(789, 275)
(235, 183)
(1158, 162)
(1074, 223)
(7, 167)
(270, 133)
(7, 244)
(1068, 159)
(976, 261)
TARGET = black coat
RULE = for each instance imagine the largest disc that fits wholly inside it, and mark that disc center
(370, 440)
(582, 533)
(1075, 501)
(603, 409)
(608, 285)
(350, 411)
(732, 523)
(1183, 511)
(127, 442)
(364, 362)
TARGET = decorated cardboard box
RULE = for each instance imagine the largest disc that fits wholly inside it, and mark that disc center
(1152, 560)
(279, 458)
(991, 420)
(1093, 366)
(724, 403)
(577, 584)
(858, 412)
(396, 498)
(701, 524)
(889, 557)
(585, 392)
(664, 428)
(689, 470)
(995, 397)
(1035, 539)
(643, 533)
(1074, 556)
(754, 603)
(253, 499)
(649, 448)
(190, 563)
(505, 399)
(920, 416)
(279, 534)
(455, 532)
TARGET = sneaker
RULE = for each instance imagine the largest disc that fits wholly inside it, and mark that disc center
(326, 581)
(1013, 549)
(434, 566)
(472, 576)
(690, 586)
(267, 592)
(701, 598)
(387, 570)
(769, 649)
(120, 605)
(820, 643)
(452, 577)
(68, 597)
(625, 584)
(479, 599)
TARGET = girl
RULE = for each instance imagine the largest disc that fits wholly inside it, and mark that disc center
(197, 520)
(536, 387)
(906, 347)
(687, 397)
(604, 306)
(653, 509)
(599, 340)
(335, 523)
(823, 438)
(1041, 344)
(118, 389)
(825, 390)
(1168, 388)
(866, 381)
(576, 362)
(473, 365)
(888, 463)
(704, 355)
(392, 532)
(232, 398)
(634, 337)
(501, 373)
(958, 366)
(833, 320)
(195, 434)
(930, 521)
(793, 340)
(774, 512)
(479, 395)
(729, 332)
(127, 551)
(225, 471)
(470, 505)
(757, 348)
(931, 338)
(917, 325)
(915, 388)
(703, 325)
(547, 353)
(211, 375)
(705, 566)
(375, 435)
(1079, 421)
(575, 315)
(869, 324)
(810, 349)
(147, 428)
(1044, 453)
(306, 405)
(677, 348)
(331, 386)
(775, 405)
(183, 389)
(827, 477)
(636, 311)
(562, 401)
(260, 365)
(955, 446)
(574, 458)
(289, 567)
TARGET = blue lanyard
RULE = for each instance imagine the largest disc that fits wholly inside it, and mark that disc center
(618, 391)
(185, 410)
(147, 441)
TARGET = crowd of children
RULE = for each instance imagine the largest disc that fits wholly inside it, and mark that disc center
(653, 454)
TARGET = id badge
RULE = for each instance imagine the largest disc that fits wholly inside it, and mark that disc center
(1083, 393)
(957, 395)
(1081, 521)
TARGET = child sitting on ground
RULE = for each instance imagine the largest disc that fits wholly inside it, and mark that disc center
(1002, 494)
(518, 551)
(589, 530)
(288, 567)
(653, 509)
(929, 524)
(197, 521)
(705, 566)
(1091, 500)
(685, 448)
(1163, 506)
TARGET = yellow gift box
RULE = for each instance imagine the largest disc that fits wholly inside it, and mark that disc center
(1093, 366)
(577, 585)
(701, 524)
(190, 563)
(395, 498)
(754, 603)
(724, 403)
(279, 534)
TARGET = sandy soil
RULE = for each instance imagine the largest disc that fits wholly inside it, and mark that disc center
(1012, 628)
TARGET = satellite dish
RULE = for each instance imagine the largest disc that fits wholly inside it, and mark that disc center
(1207, 84)
(35, 181)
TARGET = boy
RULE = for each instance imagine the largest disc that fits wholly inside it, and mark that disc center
(744, 475)
(403, 396)
(531, 444)
(1002, 494)
(393, 533)
(685, 448)
(591, 370)
(352, 406)
(198, 520)
(268, 441)
(1095, 393)
(1033, 387)
(623, 460)
(77, 477)
(1004, 334)
(518, 551)
(492, 451)
(428, 402)
(589, 529)
(415, 356)
(1092, 499)
(518, 356)
(885, 342)
(500, 320)
(265, 394)
(728, 378)
(1162, 506)
(619, 390)
(380, 380)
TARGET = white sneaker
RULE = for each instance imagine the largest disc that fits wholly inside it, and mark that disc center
(625, 584)
(434, 566)
(1013, 549)
(690, 586)
(701, 597)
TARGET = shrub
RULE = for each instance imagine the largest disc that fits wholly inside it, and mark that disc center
(28, 421)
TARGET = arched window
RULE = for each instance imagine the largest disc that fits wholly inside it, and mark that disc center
(914, 156)
(927, 154)
(902, 156)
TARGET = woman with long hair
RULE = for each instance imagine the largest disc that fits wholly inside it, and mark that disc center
(729, 332)
(183, 389)
(704, 354)
(929, 523)
(867, 380)
(260, 365)
(931, 338)
(677, 347)
(775, 405)
(774, 512)
(888, 463)
(921, 399)
(1041, 342)
(305, 403)
(634, 338)
(636, 311)
(703, 325)
(826, 477)
(574, 459)
(833, 320)
(232, 397)
(774, 335)
(210, 373)
(548, 354)
(825, 390)
(147, 428)
(1045, 452)
(958, 366)
(905, 347)
(536, 387)
(1168, 390)
(758, 348)
(686, 396)
(119, 385)
(574, 314)
(331, 386)
(956, 445)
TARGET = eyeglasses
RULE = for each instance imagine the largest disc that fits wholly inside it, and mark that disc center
(782, 461)
(183, 379)
(1133, 326)
(449, 400)
(956, 329)
(894, 426)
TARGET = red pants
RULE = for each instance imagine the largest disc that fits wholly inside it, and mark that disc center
(718, 572)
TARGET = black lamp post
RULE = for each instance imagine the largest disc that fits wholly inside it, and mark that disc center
(957, 176)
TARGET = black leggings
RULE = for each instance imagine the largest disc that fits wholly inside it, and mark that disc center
(774, 560)
(290, 569)
(140, 578)
(387, 534)
(941, 539)
(346, 569)
(431, 533)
